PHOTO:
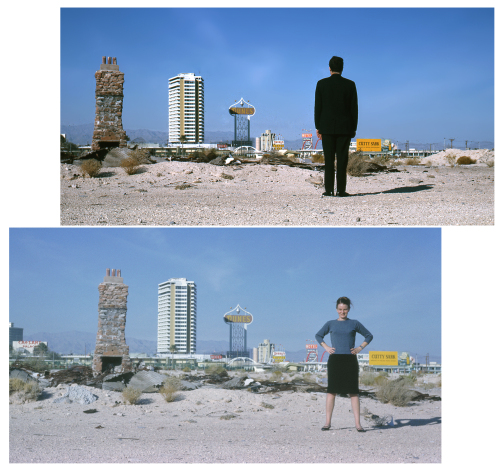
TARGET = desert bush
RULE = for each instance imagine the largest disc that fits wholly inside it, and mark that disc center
(429, 385)
(490, 163)
(228, 417)
(412, 161)
(380, 380)
(216, 370)
(266, 405)
(130, 165)
(170, 388)
(91, 168)
(357, 165)
(131, 395)
(37, 364)
(309, 377)
(367, 378)
(276, 375)
(15, 385)
(465, 160)
(396, 392)
(450, 159)
(318, 158)
(186, 369)
(29, 391)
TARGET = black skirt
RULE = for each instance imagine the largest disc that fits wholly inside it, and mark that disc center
(343, 374)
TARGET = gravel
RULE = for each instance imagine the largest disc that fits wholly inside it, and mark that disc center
(212, 425)
(200, 194)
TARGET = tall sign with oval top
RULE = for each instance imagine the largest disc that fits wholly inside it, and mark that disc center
(238, 319)
(241, 110)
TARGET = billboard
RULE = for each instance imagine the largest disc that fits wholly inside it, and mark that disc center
(307, 135)
(247, 111)
(311, 346)
(279, 356)
(368, 144)
(279, 144)
(216, 357)
(28, 345)
(238, 318)
(383, 358)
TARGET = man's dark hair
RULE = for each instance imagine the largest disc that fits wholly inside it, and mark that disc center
(336, 64)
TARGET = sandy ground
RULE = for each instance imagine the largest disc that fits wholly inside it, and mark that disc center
(190, 429)
(266, 195)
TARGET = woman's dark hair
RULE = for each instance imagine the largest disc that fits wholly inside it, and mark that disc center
(344, 301)
(336, 64)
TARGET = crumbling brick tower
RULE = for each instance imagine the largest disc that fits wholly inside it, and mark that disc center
(111, 351)
(108, 129)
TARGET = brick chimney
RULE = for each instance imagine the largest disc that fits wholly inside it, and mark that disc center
(108, 128)
(111, 351)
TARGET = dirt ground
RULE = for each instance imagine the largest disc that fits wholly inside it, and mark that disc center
(201, 194)
(212, 425)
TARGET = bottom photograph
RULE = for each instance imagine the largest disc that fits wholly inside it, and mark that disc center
(225, 345)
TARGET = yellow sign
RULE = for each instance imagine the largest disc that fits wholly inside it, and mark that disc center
(383, 358)
(249, 111)
(246, 319)
(366, 144)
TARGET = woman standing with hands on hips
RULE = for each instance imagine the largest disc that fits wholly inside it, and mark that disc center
(343, 369)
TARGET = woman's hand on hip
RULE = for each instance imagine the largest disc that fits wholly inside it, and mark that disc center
(356, 350)
(330, 350)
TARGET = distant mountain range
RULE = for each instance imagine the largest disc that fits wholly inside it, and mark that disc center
(82, 135)
(78, 343)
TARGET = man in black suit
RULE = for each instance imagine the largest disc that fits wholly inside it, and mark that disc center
(336, 121)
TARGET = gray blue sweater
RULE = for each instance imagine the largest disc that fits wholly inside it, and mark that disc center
(342, 334)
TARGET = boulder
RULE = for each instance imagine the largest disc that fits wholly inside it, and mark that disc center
(77, 394)
(147, 381)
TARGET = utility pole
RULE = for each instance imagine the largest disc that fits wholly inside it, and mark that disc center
(451, 142)
(466, 144)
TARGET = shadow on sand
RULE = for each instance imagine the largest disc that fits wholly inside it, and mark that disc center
(398, 190)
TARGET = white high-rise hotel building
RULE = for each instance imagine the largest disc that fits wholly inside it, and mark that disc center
(177, 315)
(186, 109)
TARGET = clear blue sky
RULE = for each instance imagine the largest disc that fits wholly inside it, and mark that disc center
(288, 278)
(422, 74)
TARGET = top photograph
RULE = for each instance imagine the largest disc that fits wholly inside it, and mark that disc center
(277, 117)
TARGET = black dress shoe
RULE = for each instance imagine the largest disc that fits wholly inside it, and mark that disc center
(327, 194)
(342, 194)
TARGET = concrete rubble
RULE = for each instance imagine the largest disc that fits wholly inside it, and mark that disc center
(76, 394)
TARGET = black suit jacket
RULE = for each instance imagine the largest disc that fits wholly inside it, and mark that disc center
(336, 106)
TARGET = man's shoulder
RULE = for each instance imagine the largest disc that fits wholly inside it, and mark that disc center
(332, 79)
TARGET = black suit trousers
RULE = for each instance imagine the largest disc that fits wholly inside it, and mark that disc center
(336, 145)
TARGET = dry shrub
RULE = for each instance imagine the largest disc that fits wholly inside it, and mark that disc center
(216, 370)
(367, 378)
(183, 186)
(490, 163)
(450, 159)
(91, 168)
(266, 405)
(277, 375)
(131, 395)
(318, 158)
(396, 392)
(130, 165)
(226, 176)
(465, 160)
(186, 369)
(412, 161)
(357, 165)
(15, 385)
(228, 417)
(170, 388)
(29, 391)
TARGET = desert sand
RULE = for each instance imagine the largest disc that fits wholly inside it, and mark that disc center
(191, 430)
(172, 193)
